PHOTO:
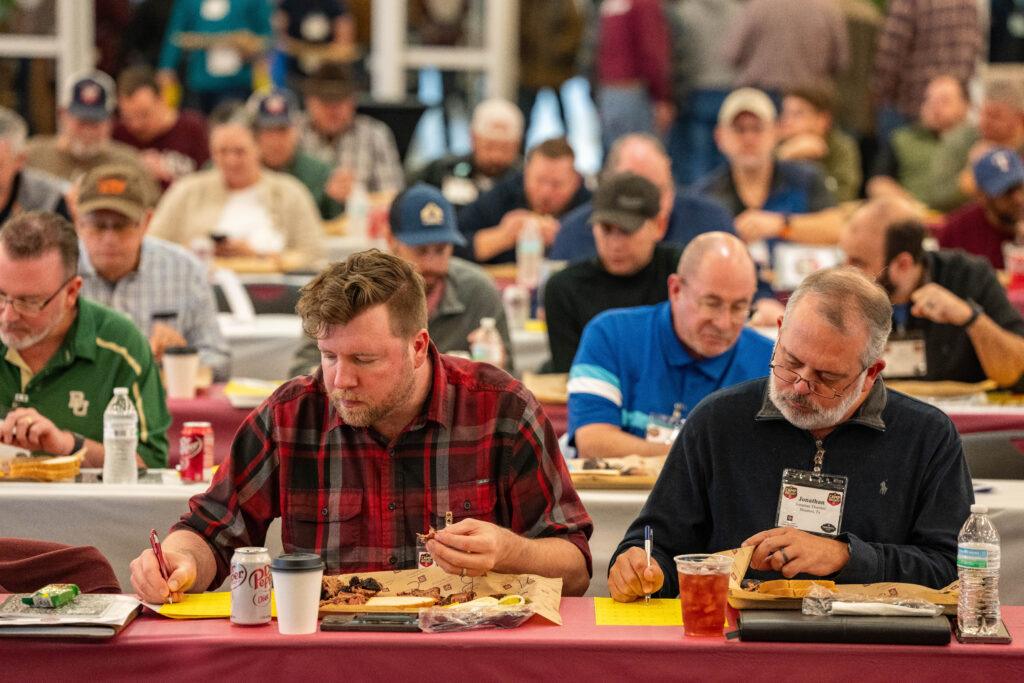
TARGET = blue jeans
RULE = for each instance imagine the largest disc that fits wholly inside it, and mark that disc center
(623, 110)
(691, 142)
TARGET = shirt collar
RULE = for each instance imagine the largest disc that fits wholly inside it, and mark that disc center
(868, 414)
(88, 270)
(451, 303)
(677, 355)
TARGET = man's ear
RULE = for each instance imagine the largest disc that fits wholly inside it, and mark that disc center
(144, 221)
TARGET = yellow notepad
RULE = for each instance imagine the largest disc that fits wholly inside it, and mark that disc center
(205, 606)
(657, 612)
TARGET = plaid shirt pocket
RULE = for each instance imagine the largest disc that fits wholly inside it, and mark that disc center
(473, 499)
(327, 522)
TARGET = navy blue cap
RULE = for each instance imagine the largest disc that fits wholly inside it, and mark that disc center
(998, 171)
(91, 97)
(276, 109)
(421, 215)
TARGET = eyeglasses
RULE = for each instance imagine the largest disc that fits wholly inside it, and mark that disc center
(814, 386)
(31, 306)
(713, 307)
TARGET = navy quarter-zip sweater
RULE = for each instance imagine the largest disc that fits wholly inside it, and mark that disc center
(909, 490)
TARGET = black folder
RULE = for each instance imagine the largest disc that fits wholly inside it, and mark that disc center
(792, 626)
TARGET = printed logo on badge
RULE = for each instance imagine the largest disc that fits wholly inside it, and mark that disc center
(835, 498)
(828, 528)
(78, 404)
(425, 560)
(789, 492)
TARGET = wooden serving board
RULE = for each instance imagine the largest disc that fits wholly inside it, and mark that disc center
(342, 609)
(594, 480)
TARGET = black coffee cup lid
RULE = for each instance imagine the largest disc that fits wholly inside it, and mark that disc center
(297, 562)
(180, 351)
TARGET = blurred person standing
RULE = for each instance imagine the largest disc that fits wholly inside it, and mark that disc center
(550, 35)
(708, 77)
(222, 69)
(633, 69)
(777, 45)
(83, 141)
(919, 40)
(248, 211)
(323, 24)
(171, 143)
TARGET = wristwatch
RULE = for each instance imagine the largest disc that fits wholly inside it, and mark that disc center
(976, 310)
(78, 443)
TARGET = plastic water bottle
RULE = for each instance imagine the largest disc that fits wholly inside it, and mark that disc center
(977, 561)
(529, 254)
(357, 211)
(487, 347)
(120, 439)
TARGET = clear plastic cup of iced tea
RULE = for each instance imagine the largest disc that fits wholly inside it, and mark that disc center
(703, 589)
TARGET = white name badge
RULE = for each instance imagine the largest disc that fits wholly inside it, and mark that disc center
(223, 61)
(905, 358)
(812, 502)
(459, 191)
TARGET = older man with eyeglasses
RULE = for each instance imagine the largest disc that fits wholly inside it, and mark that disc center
(819, 468)
(634, 366)
(62, 355)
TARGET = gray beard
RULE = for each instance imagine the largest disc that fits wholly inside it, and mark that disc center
(821, 418)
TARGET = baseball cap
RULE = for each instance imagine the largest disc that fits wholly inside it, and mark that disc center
(275, 109)
(421, 215)
(626, 200)
(998, 171)
(749, 100)
(497, 119)
(90, 96)
(118, 187)
(332, 81)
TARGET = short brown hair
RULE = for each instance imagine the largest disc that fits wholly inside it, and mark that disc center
(822, 98)
(136, 78)
(363, 280)
(555, 148)
(32, 234)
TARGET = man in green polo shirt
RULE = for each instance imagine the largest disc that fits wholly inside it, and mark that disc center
(61, 355)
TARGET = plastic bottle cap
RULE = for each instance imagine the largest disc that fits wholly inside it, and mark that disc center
(120, 390)
(979, 509)
(487, 322)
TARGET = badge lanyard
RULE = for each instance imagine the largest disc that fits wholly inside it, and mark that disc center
(812, 501)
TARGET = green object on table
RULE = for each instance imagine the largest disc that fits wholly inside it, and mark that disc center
(52, 595)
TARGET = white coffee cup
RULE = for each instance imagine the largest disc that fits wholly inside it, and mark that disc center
(297, 578)
(181, 371)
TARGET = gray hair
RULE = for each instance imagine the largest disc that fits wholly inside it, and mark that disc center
(32, 234)
(13, 130)
(841, 291)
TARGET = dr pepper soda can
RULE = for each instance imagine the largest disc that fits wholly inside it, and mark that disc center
(250, 586)
(195, 450)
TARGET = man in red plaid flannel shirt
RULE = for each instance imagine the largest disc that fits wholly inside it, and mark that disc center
(381, 443)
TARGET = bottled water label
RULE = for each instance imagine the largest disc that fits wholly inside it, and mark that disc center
(974, 558)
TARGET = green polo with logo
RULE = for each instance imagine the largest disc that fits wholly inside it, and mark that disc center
(101, 350)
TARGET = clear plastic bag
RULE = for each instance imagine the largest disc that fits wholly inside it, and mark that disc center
(470, 617)
(820, 601)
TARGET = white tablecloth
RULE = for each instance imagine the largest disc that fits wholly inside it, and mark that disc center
(117, 520)
(263, 347)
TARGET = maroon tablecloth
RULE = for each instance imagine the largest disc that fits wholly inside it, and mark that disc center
(209, 406)
(966, 423)
(164, 649)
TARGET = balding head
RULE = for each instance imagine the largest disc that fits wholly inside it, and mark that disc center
(864, 237)
(711, 292)
(644, 155)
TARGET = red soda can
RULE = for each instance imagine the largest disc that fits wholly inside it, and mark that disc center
(195, 450)
(250, 586)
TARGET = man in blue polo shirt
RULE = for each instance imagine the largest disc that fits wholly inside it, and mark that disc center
(636, 362)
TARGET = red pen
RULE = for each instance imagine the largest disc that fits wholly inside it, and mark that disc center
(154, 543)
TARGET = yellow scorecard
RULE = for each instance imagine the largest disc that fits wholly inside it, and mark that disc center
(205, 606)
